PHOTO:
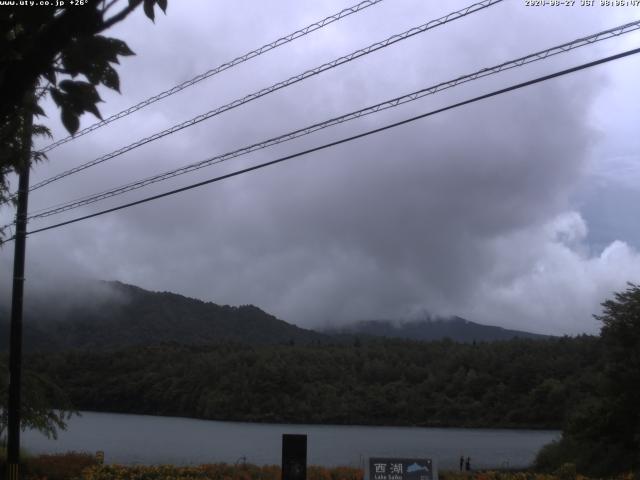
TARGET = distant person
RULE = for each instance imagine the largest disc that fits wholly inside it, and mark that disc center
(467, 465)
(461, 462)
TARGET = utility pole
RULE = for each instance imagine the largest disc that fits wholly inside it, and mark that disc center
(15, 345)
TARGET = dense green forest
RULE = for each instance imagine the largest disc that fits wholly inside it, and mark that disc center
(516, 383)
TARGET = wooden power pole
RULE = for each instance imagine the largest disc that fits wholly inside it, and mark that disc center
(15, 345)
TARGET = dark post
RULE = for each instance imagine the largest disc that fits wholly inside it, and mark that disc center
(294, 457)
(15, 345)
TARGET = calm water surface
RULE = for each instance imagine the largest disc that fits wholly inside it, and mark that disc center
(141, 439)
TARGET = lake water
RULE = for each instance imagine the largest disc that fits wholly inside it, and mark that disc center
(140, 439)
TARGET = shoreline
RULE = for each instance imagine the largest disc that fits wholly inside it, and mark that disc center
(321, 424)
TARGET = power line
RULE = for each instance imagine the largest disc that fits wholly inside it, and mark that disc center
(277, 86)
(533, 57)
(220, 68)
(345, 140)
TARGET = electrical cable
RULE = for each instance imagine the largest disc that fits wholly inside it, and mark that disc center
(214, 71)
(277, 86)
(344, 140)
(533, 57)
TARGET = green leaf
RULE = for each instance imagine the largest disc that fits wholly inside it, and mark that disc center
(121, 47)
(93, 109)
(80, 93)
(148, 9)
(78, 97)
(163, 5)
(50, 75)
(70, 120)
(93, 75)
(39, 156)
(38, 111)
(68, 85)
(41, 130)
(91, 56)
(57, 96)
(110, 79)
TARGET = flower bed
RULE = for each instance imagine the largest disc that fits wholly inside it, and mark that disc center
(218, 471)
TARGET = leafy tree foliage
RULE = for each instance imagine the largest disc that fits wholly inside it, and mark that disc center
(58, 51)
(38, 394)
(517, 383)
(602, 436)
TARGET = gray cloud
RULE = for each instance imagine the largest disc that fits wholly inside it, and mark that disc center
(471, 212)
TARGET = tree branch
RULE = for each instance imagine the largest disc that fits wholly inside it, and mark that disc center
(118, 17)
(108, 6)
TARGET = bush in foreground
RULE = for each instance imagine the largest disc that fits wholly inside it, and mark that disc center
(84, 466)
(252, 472)
(64, 466)
(218, 471)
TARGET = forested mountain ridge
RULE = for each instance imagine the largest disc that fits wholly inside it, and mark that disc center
(109, 315)
(455, 328)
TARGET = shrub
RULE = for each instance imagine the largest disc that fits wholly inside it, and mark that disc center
(64, 466)
(218, 471)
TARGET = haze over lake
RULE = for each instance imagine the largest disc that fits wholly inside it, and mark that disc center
(140, 439)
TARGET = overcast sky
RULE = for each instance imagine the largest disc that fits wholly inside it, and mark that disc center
(518, 211)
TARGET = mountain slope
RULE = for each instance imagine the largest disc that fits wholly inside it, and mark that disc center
(455, 328)
(109, 315)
